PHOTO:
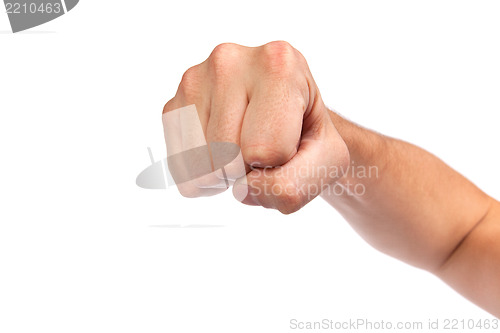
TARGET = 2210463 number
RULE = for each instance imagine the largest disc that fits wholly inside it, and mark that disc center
(33, 8)
(485, 324)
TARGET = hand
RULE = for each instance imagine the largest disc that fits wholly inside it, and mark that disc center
(265, 101)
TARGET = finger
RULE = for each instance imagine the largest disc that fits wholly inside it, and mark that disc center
(190, 190)
(273, 122)
(229, 102)
(305, 176)
(237, 168)
(188, 154)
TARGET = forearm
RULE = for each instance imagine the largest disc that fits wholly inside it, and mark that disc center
(410, 205)
(421, 211)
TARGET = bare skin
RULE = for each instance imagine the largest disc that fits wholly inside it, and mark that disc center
(416, 208)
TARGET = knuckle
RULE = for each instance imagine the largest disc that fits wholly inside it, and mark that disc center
(224, 49)
(223, 58)
(192, 74)
(279, 56)
(280, 47)
(189, 86)
(169, 106)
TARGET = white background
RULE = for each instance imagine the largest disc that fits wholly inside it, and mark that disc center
(82, 249)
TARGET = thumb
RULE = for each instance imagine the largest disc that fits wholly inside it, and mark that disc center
(322, 159)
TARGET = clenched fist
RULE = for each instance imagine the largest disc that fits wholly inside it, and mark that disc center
(264, 102)
(254, 118)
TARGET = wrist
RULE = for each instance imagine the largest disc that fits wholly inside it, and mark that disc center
(367, 151)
